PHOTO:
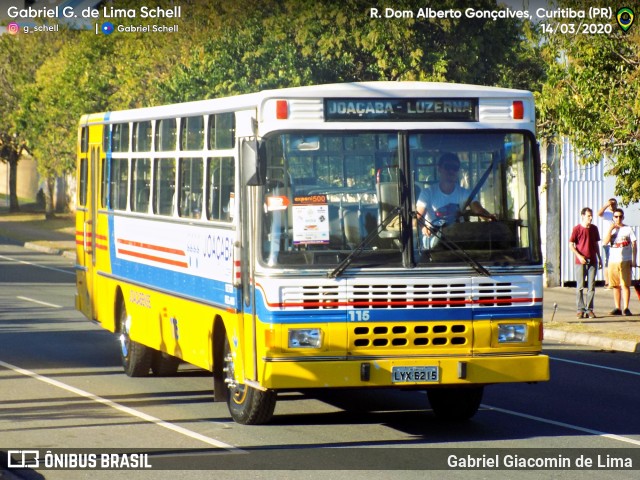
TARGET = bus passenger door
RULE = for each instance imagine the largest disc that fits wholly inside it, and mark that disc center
(85, 238)
(249, 212)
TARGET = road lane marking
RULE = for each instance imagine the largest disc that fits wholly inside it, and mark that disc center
(619, 370)
(124, 409)
(611, 436)
(24, 262)
(27, 299)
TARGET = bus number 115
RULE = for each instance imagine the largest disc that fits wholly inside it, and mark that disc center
(359, 315)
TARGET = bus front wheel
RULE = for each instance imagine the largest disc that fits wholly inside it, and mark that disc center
(247, 405)
(455, 404)
(136, 358)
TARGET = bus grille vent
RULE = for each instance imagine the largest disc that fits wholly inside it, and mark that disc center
(411, 335)
(501, 293)
(402, 296)
(314, 297)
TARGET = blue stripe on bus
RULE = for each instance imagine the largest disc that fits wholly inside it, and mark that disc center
(199, 288)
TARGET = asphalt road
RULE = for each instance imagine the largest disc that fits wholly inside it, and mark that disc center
(62, 386)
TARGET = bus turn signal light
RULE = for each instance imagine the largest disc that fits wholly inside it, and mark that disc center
(282, 109)
(518, 110)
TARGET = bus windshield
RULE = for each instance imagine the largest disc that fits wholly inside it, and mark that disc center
(389, 199)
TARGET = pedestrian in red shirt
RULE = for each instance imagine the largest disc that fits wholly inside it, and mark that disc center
(584, 243)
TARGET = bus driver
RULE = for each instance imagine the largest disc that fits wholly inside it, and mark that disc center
(442, 203)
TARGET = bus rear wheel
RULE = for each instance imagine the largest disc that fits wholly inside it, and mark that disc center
(136, 358)
(247, 405)
(455, 404)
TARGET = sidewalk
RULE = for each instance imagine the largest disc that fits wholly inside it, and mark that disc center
(55, 236)
(607, 332)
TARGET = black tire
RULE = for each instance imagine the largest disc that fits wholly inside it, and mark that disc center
(247, 405)
(163, 364)
(455, 404)
(136, 358)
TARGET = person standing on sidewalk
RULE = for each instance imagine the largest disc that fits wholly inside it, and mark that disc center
(606, 213)
(583, 242)
(622, 258)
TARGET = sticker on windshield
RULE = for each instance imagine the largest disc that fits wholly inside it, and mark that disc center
(310, 219)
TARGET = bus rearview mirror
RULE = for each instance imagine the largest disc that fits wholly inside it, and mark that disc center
(252, 164)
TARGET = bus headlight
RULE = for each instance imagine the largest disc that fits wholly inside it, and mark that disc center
(512, 333)
(305, 338)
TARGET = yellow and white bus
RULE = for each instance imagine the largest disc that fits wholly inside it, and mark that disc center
(277, 240)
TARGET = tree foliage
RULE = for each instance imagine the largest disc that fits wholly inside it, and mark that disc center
(591, 97)
(302, 42)
(69, 83)
(20, 57)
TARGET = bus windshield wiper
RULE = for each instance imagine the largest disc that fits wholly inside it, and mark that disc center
(451, 245)
(342, 266)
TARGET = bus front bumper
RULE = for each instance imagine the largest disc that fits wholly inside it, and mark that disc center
(279, 374)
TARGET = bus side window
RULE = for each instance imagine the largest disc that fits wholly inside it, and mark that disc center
(165, 186)
(166, 135)
(140, 184)
(120, 137)
(83, 180)
(220, 188)
(192, 133)
(190, 187)
(142, 136)
(84, 139)
(222, 131)
(119, 183)
(104, 182)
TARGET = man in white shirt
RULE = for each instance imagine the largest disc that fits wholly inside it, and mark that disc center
(622, 258)
(441, 204)
(606, 213)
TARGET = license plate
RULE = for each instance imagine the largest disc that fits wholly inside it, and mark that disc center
(414, 374)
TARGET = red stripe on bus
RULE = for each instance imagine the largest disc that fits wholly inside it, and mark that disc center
(90, 234)
(157, 248)
(153, 258)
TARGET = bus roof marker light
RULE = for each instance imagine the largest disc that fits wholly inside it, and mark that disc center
(518, 110)
(282, 109)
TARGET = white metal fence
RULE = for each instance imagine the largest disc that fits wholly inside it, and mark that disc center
(583, 186)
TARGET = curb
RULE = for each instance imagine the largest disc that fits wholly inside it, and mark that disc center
(41, 248)
(576, 338)
(50, 250)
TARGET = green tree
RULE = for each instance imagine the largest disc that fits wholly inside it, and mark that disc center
(87, 74)
(71, 82)
(20, 56)
(591, 97)
(290, 43)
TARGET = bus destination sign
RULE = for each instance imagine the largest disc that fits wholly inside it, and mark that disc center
(401, 109)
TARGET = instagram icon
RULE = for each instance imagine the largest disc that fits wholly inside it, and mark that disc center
(13, 28)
